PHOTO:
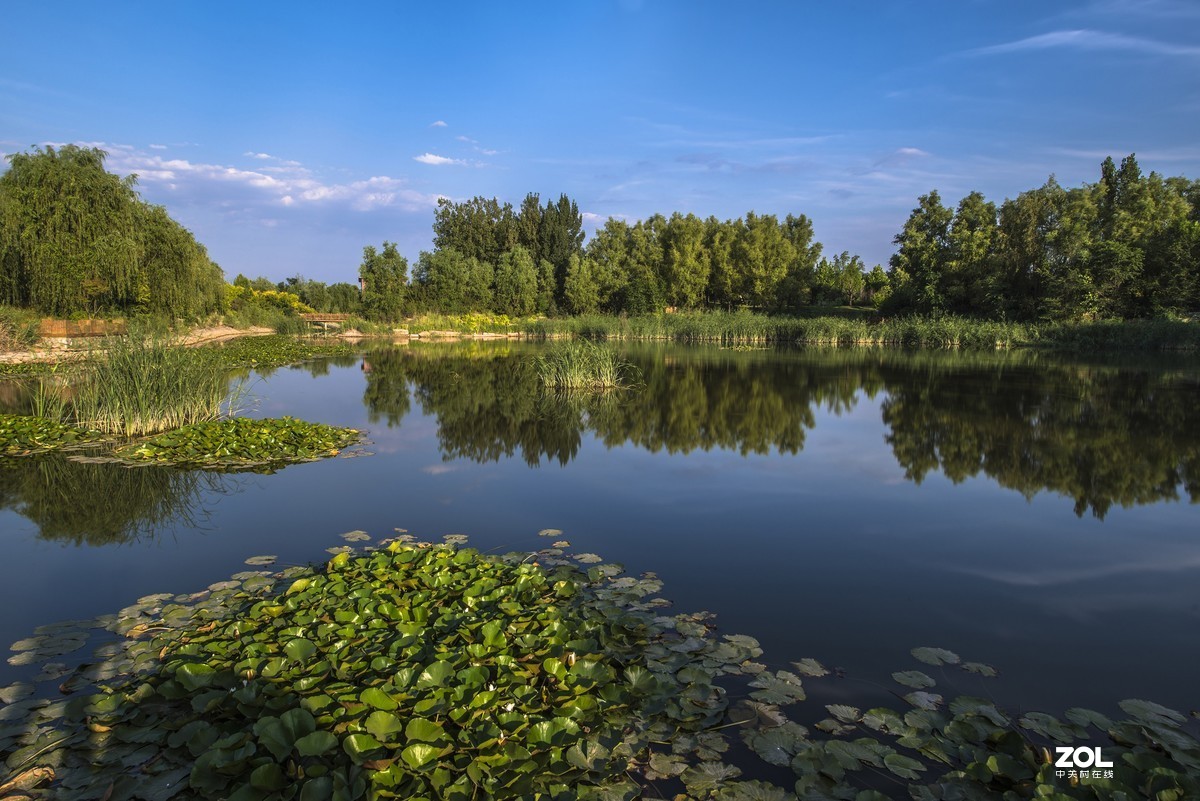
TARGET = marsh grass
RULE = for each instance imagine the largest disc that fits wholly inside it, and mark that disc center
(744, 327)
(584, 365)
(141, 384)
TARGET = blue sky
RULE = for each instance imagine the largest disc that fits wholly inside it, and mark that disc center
(289, 135)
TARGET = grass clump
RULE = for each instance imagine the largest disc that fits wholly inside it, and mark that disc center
(18, 328)
(583, 365)
(141, 385)
(242, 441)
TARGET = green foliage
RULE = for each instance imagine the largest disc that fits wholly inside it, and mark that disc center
(143, 385)
(25, 434)
(385, 279)
(272, 351)
(971, 748)
(405, 672)
(242, 441)
(18, 328)
(76, 239)
(516, 283)
(583, 365)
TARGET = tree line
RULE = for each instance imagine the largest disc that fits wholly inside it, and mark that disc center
(1127, 246)
(76, 239)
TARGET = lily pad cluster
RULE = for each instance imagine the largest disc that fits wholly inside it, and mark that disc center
(969, 748)
(241, 441)
(25, 434)
(404, 672)
(277, 350)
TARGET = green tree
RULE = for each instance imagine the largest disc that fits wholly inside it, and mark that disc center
(480, 228)
(762, 255)
(686, 263)
(75, 238)
(581, 290)
(515, 291)
(923, 255)
(385, 278)
(560, 236)
(455, 283)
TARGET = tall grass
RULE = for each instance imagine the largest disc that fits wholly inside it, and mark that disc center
(747, 327)
(143, 385)
(583, 365)
(18, 328)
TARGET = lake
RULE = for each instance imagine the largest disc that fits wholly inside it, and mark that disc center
(1031, 512)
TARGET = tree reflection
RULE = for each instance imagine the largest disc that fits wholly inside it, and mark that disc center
(103, 503)
(1099, 434)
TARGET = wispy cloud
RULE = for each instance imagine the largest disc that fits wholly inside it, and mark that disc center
(1085, 39)
(899, 157)
(158, 147)
(287, 184)
(438, 161)
(438, 124)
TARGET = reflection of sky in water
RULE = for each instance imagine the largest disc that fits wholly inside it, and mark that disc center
(828, 553)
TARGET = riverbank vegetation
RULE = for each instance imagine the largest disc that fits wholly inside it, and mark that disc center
(417, 670)
(149, 399)
(1125, 247)
(78, 240)
(241, 442)
(584, 366)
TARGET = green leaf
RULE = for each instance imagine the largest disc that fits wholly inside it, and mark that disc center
(316, 743)
(383, 725)
(1150, 712)
(914, 678)
(935, 656)
(359, 747)
(902, 766)
(195, 675)
(268, 778)
(300, 649)
(425, 731)
(377, 698)
(810, 667)
(420, 756)
(707, 777)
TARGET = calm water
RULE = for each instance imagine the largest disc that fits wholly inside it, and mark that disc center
(1032, 513)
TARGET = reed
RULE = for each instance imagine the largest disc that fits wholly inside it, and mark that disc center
(583, 365)
(142, 384)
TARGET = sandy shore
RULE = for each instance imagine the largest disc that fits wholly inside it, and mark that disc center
(53, 350)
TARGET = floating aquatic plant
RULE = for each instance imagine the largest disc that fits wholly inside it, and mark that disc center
(419, 671)
(401, 673)
(25, 434)
(242, 441)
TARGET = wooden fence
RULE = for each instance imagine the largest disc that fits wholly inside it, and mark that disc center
(80, 328)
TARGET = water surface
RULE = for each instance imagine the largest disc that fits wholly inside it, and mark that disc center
(1029, 512)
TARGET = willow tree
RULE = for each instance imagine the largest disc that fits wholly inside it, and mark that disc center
(74, 238)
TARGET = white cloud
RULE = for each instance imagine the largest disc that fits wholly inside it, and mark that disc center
(158, 147)
(1089, 40)
(288, 185)
(438, 124)
(260, 156)
(438, 161)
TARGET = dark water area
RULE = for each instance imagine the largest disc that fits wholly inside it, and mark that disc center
(1033, 513)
